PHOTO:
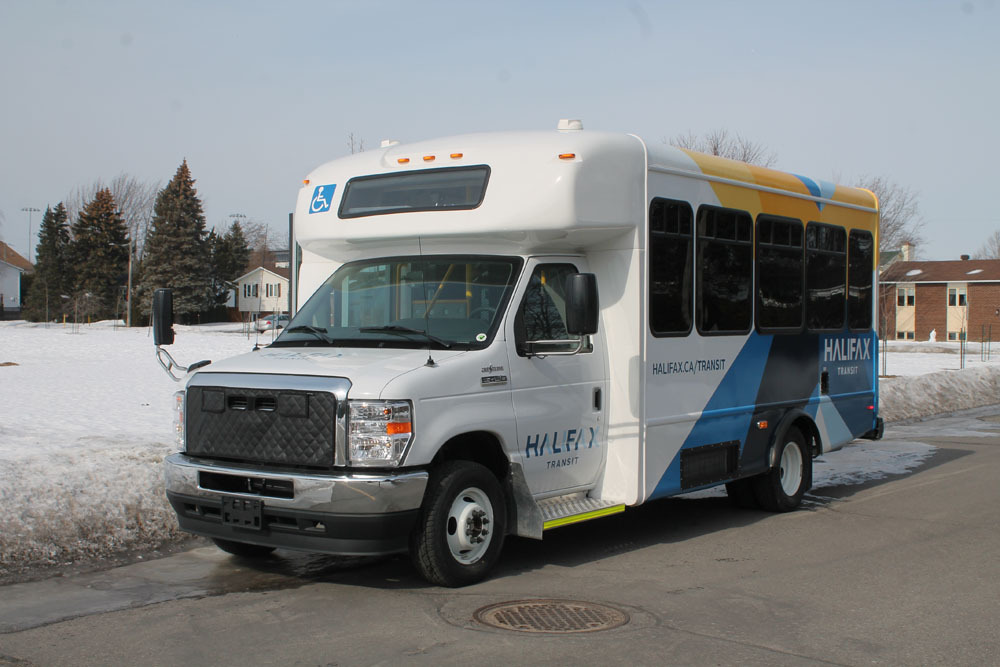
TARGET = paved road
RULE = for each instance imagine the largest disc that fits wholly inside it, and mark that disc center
(903, 570)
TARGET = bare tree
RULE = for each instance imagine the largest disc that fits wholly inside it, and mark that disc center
(990, 249)
(899, 212)
(355, 144)
(261, 239)
(733, 146)
(133, 198)
(256, 233)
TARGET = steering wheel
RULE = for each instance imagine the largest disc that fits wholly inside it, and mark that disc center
(482, 309)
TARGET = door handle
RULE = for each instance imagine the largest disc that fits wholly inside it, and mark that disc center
(597, 399)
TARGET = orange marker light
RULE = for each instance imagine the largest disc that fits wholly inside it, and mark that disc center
(762, 425)
(395, 428)
(455, 156)
(567, 156)
(305, 181)
(403, 160)
(428, 158)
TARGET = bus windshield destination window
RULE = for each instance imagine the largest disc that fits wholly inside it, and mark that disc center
(460, 188)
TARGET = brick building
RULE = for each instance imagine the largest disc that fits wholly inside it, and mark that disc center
(955, 299)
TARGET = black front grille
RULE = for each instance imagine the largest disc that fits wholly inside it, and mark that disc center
(261, 425)
(258, 486)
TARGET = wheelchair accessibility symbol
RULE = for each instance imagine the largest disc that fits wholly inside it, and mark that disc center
(322, 198)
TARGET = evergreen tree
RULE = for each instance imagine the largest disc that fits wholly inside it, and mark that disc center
(230, 255)
(177, 252)
(53, 268)
(100, 255)
(215, 251)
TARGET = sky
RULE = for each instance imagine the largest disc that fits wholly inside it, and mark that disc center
(254, 95)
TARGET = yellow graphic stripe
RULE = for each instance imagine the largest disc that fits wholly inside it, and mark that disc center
(586, 516)
(736, 195)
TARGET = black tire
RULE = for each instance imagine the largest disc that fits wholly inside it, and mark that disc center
(741, 493)
(242, 549)
(462, 525)
(781, 488)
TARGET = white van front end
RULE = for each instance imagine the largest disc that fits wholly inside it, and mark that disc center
(391, 382)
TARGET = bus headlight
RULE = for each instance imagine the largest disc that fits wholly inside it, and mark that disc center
(179, 419)
(380, 432)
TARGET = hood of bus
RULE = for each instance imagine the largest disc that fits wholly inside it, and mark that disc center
(368, 369)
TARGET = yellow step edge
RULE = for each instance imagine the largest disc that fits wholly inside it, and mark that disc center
(586, 516)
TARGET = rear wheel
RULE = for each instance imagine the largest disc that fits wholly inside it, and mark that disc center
(242, 548)
(781, 488)
(462, 527)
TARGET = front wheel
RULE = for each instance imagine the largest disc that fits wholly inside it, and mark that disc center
(781, 488)
(462, 527)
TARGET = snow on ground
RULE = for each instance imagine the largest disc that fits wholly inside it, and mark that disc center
(86, 418)
(85, 422)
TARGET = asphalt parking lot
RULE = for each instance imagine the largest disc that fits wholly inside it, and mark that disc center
(902, 570)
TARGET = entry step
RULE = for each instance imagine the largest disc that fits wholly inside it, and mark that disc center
(573, 508)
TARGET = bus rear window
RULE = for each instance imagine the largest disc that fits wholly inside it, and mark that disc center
(456, 188)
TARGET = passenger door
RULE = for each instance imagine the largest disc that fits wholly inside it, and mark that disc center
(558, 398)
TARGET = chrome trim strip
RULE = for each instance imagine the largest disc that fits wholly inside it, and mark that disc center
(336, 493)
(340, 442)
(338, 386)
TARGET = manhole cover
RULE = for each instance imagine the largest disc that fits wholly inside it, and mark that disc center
(555, 616)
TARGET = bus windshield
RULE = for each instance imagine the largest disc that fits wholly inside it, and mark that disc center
(443, 302)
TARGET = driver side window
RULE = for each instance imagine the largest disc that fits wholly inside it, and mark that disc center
(542, 313)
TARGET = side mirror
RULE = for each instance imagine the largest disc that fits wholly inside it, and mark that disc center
(163, 317)
(582, 306)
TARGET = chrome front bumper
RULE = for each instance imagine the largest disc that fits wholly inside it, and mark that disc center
(336, 513)
(334, 493)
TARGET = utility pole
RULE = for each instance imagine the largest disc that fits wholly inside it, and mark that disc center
(29, 210)
(128, 294)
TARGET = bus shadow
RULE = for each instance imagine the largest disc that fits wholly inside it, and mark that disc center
(673, 520)
(658, 522)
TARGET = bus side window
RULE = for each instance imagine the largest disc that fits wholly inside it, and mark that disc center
(826, 277)
(725, 271)
(780, 265)
(671, 260)
(860, 268)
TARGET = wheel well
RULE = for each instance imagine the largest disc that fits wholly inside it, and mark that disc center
(480, 446)
(807, 427)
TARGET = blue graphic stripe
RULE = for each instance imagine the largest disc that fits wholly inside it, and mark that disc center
(720, 422)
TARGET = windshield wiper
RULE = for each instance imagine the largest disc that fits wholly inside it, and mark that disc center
(396, 329)
(316, 331)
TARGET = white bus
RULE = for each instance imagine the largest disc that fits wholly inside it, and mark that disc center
(499, 334)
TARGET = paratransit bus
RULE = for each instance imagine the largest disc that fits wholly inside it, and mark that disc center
(502, 333)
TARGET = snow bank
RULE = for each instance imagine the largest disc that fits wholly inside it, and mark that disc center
(85, 422)
(911, 397)
(89, 501)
